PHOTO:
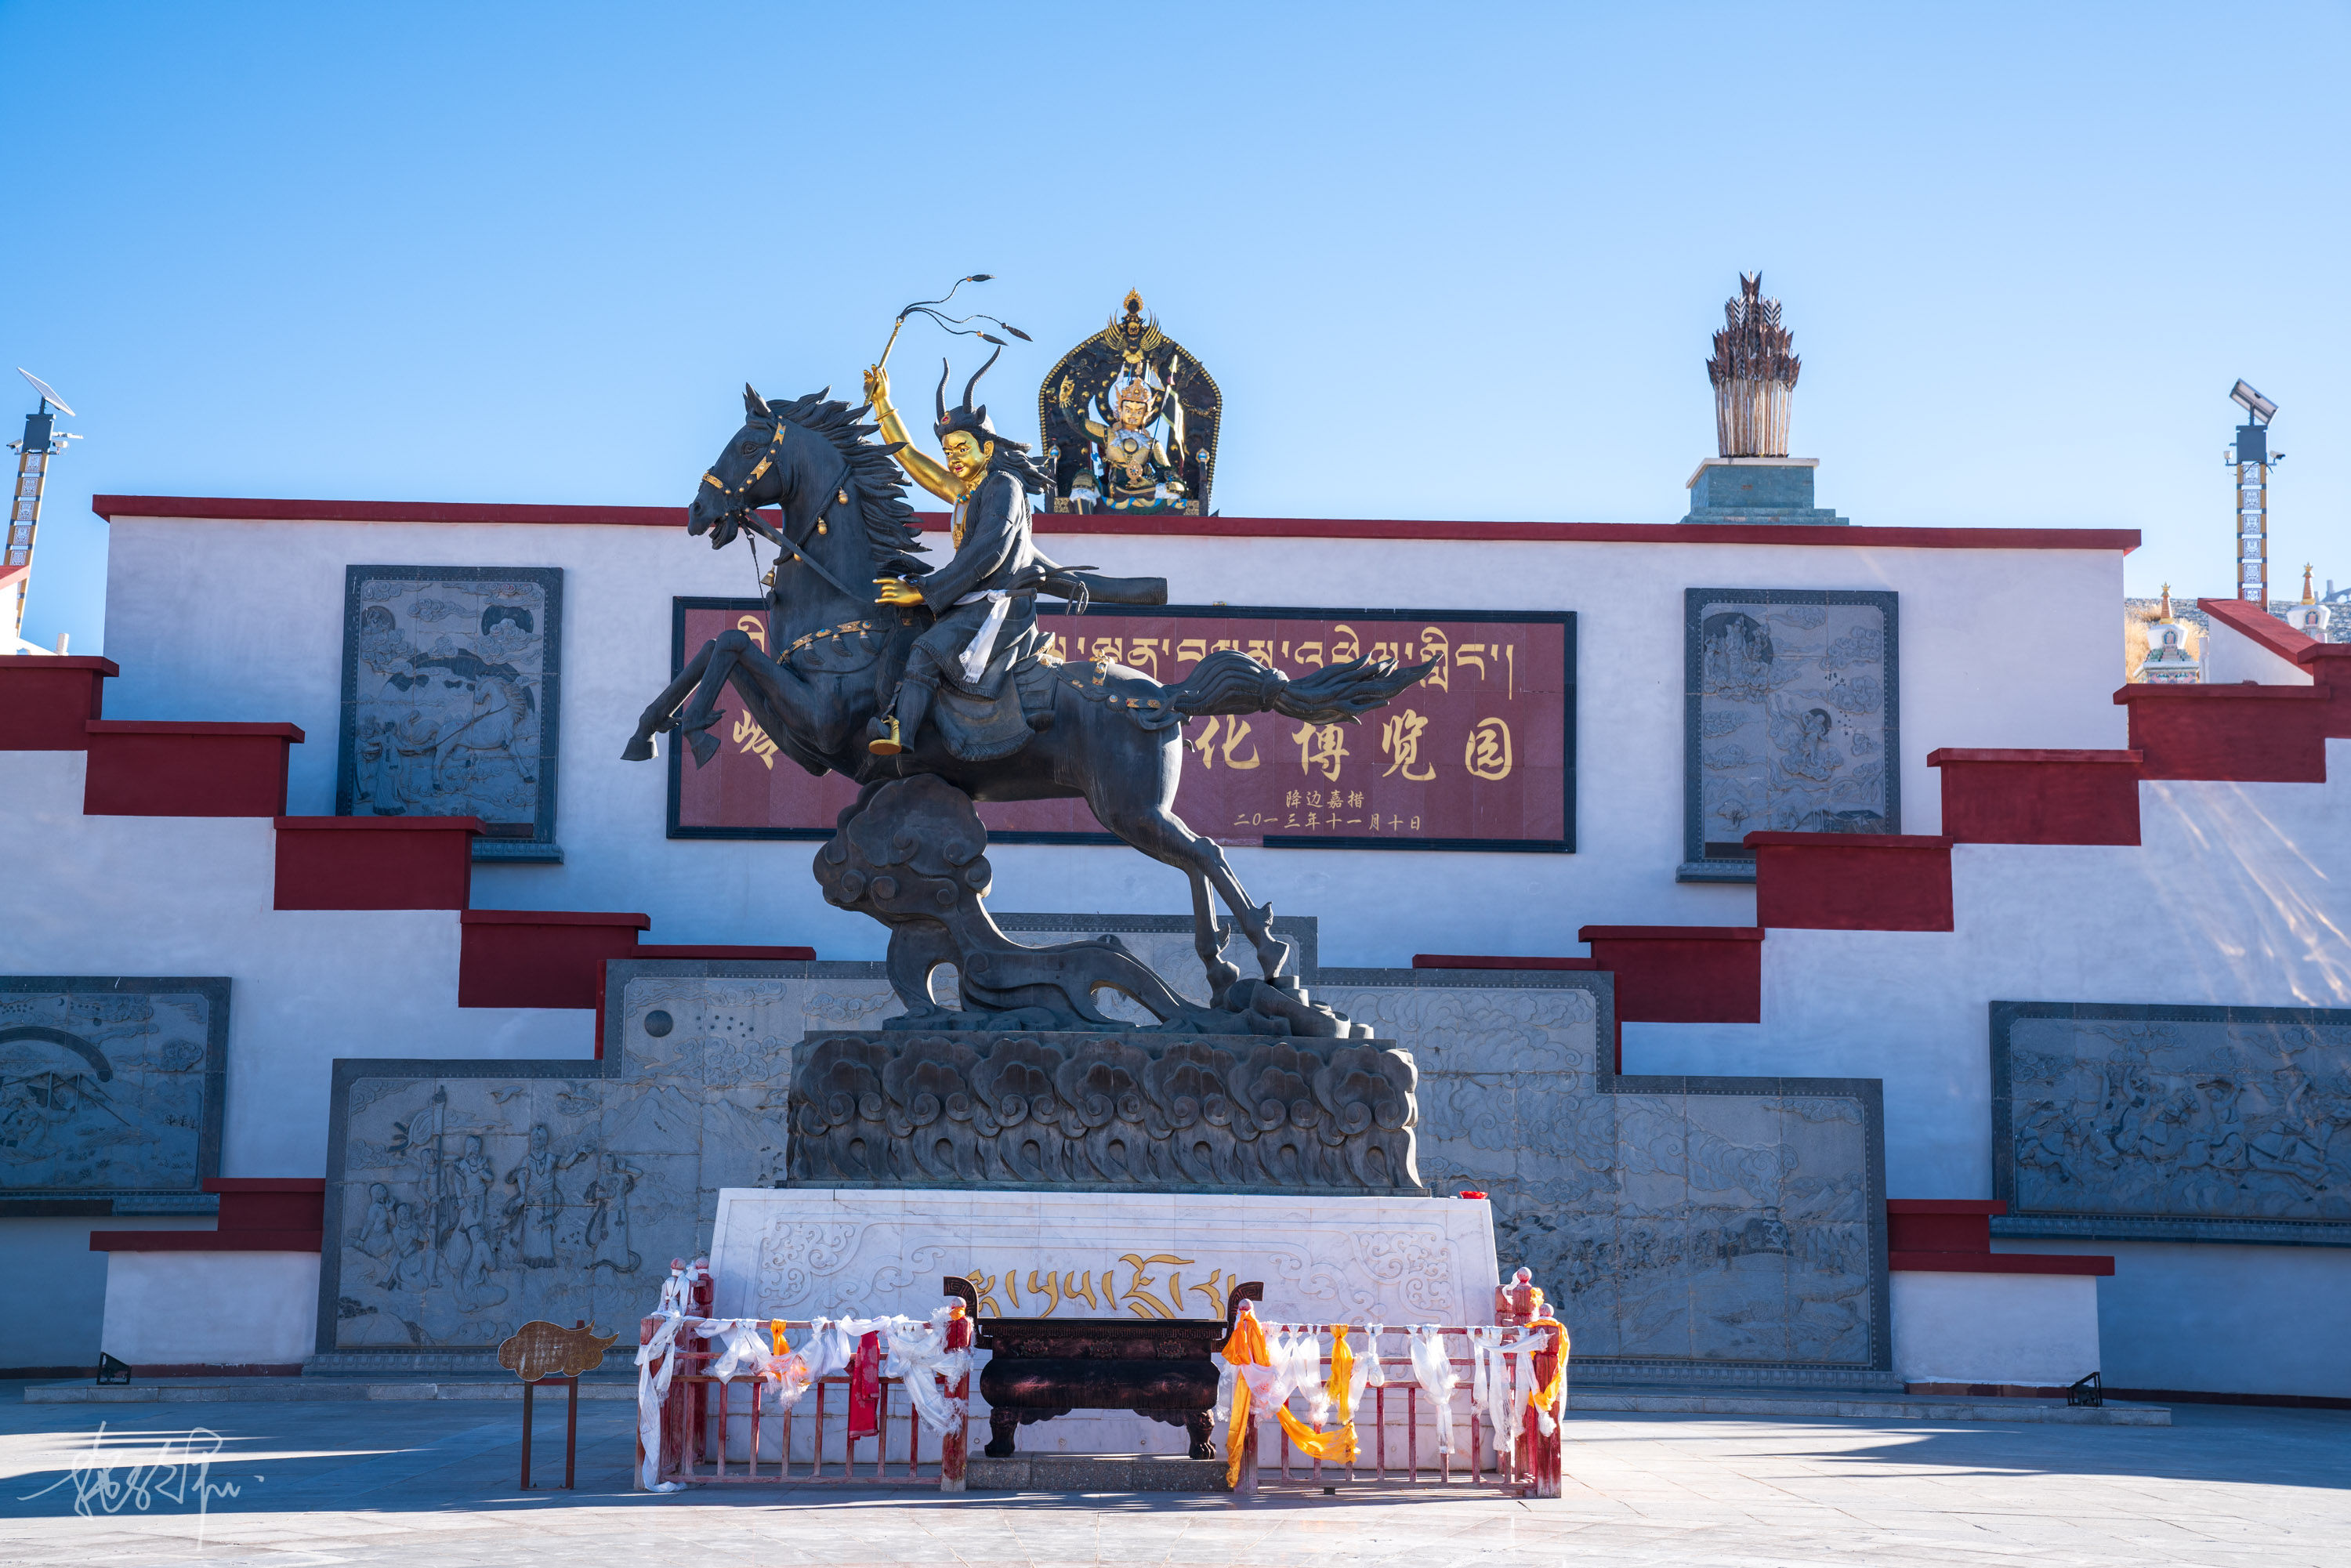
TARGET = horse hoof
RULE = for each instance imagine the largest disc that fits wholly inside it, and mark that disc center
(704, 749)
(638, 751)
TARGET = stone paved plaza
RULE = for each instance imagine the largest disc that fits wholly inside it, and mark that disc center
(433, 1485)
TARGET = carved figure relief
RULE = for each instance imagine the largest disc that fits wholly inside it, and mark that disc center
(1675, 1225)
(2196, 1115)
(110, 1084)
(450, 684)
(1791, 722)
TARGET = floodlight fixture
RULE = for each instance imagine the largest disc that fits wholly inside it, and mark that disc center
(48, 393)
(2252, 402)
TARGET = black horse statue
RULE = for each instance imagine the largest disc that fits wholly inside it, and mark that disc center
(1100, 731)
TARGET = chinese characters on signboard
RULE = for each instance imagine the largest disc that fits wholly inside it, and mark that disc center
(1792, 720)
(1479, 756)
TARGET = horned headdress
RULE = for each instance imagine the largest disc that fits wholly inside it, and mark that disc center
(965, 417)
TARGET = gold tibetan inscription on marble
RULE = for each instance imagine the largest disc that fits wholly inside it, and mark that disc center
(1015, 1291)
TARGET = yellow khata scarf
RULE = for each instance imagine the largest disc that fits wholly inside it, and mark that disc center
(776, 1333)
(1336, 1446)
(1245, 1347)
(1545, 1399)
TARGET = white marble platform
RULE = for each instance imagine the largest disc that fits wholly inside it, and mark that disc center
(833, 1251)
(802, 1252)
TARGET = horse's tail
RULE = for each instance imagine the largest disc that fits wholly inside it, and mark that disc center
(1229, 680)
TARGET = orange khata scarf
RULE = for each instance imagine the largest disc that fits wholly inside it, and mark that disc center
(1336, 1446)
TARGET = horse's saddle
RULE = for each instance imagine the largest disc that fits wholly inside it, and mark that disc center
(998, 718)
(982, 728)
(1013, 699)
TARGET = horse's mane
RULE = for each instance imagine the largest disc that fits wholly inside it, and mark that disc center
(889, 521)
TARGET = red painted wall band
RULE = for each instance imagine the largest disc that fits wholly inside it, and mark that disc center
(206, 1241)
(2253, 734)
(1682, 974)
(1996, 1263)
(361, 863)
(1468, 961)
(2258, 625)
(254, 509)
(46, 703)
(186, 770)
(516, 961)
(2039, 797)
(1852, 882)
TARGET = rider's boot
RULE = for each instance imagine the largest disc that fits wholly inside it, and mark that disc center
(900, 730)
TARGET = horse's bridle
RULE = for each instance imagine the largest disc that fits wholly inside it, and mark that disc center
(751, 515)
(766, 462)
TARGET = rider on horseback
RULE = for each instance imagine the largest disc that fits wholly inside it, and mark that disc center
(984, 601)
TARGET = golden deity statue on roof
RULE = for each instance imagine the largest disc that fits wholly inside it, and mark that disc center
(1130, 421)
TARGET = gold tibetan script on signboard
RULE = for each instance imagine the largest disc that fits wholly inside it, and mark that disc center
(542, 1349)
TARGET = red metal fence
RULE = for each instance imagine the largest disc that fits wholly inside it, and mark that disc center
(739, 1430)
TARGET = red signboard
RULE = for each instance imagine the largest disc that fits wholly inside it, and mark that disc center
(1479, 756)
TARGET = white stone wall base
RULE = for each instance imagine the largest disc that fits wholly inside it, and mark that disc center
(211, 1309)
(2039, 1329)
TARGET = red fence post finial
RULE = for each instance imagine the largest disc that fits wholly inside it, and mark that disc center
(954, 1443)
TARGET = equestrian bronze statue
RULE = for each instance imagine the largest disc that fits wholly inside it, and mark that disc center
(934, 688)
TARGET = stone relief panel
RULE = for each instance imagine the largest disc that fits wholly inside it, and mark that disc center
(110, 1085)
(2179, 1122)
(1671, 1219)
(451, 681)
(1700, 1220)
(466, 1199)
(1792, 718)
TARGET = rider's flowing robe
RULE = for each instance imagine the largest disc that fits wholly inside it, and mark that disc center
(992, 524)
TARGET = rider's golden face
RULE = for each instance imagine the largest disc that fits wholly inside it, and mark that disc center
(968, 455)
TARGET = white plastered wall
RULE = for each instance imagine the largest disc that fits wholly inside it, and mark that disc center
(2230, 656)
(191, 896)
(216, 620)
(2034, 1329)
(211, 1309)
(2220, 1318)
(2238, 894)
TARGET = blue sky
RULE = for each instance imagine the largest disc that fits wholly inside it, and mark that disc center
(1445, 261)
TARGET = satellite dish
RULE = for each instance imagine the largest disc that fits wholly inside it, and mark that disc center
(47, 392)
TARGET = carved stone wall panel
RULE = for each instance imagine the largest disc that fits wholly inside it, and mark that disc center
(2139, 1121)
(1792, 720)
(112, 1086)
(1682, 1222)
(1684, 1219)
(465, 1199)
(452, 700)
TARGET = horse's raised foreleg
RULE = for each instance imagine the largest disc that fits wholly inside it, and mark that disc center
(656, 717)
(703, 710)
